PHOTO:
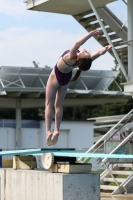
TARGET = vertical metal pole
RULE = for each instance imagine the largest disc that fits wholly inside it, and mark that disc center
(108, 38)
(130, 37)
(18, 123)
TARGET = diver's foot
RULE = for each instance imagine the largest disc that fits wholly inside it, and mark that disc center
(48, 138)
(54, 138)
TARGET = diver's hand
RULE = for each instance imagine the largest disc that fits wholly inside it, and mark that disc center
(95, 33)
(108, 47)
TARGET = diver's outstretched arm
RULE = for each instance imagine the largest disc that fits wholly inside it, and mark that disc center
(81, 41)
(101, 52)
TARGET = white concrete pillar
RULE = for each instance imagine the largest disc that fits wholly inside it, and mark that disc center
(130, 38)
(18, 123)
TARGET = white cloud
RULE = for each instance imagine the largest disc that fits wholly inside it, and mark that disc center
(14, 8)
(21, 46)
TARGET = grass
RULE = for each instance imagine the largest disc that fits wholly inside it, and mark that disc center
(111, 183)
(119, 176)
(86, 161)
(97, 172)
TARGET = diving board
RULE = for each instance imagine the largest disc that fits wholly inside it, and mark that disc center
(90, 155)
(57, 160)
(64, 153)
(34, 151)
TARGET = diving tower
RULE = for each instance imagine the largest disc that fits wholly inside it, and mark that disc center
(93, 14)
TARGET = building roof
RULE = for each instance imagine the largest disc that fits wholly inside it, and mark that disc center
(91, 88)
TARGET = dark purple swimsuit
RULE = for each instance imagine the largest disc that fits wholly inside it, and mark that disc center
(63, 78)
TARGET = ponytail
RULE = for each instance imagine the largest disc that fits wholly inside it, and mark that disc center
(76, 75)
(83, 64)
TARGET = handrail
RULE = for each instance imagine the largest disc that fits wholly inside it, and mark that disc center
(106, 136)
(109, 40)
(112, 135)
(124, 2)
(119, 146)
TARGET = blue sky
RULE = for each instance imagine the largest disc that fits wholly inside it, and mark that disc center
(27, 36)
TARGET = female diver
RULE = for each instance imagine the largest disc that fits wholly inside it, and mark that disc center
(58, 81)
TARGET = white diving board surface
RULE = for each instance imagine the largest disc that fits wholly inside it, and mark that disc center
(64, 153)
(34, 151)
(91, 155)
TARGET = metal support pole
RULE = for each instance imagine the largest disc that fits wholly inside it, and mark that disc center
(121, 188)
(18, 123)
(108, 39)
(130, 38)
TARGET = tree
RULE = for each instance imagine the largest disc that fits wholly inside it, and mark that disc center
(120, 78)
(46, 66)
(36, 65)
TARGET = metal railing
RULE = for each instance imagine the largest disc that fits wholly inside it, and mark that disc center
(109, 134)
(119, 146)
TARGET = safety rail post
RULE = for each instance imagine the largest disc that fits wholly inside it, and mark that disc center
(119, 146)
(106, 136)
(109, 170)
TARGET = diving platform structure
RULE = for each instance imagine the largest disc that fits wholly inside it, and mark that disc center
(68, 179)
(66, 161)
(93, 14)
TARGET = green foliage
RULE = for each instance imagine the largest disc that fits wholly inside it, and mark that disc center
(84, 112)
(32, 113)
(77, 112)
(46, 66)
(120, 78)
(36, 65)
(7, 114)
